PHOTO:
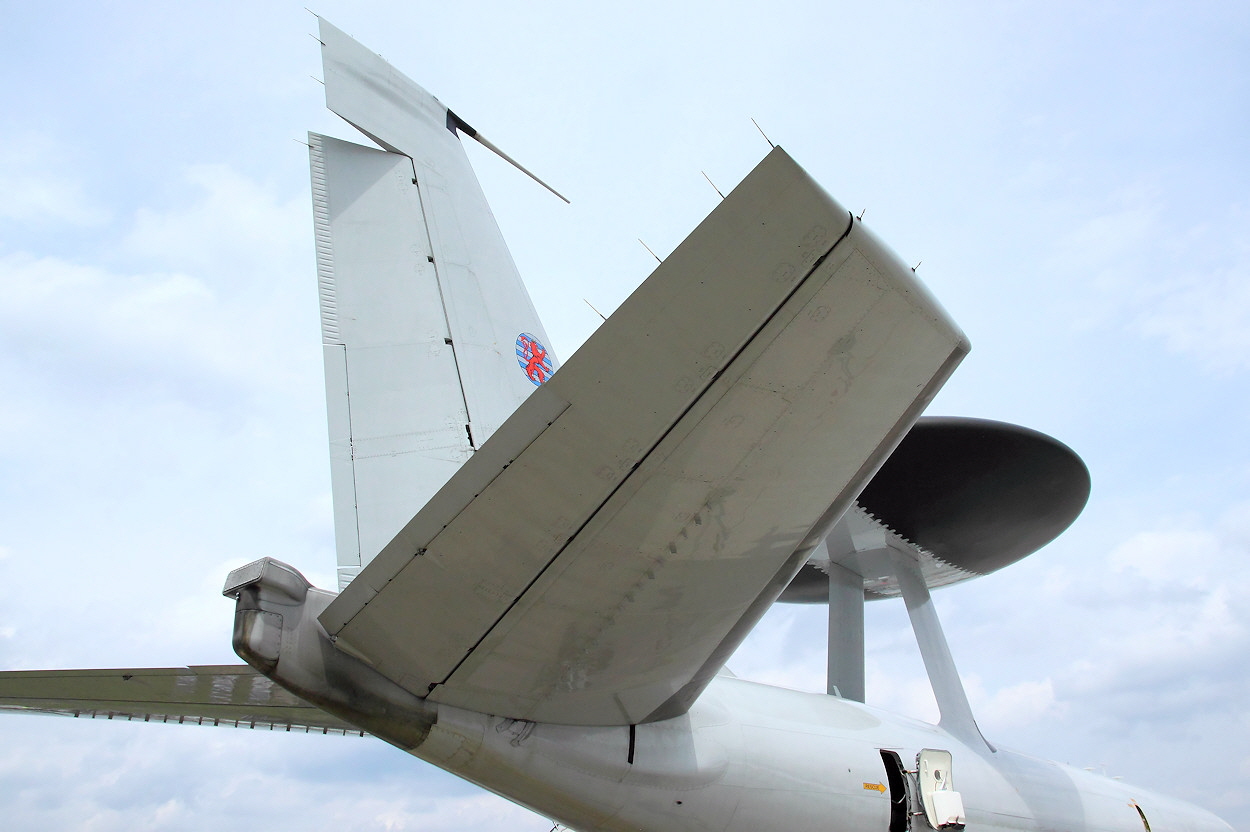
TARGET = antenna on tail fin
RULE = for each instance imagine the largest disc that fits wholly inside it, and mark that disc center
(455, 122)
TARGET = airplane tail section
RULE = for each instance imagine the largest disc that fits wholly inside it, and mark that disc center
(430, 338)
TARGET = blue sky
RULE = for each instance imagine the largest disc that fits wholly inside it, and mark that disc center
(1071, 175)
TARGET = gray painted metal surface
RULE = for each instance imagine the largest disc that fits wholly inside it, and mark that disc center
(431, 340)
(845, 664)
(948, 688)
(397, 415)
(220, 695)
(621, 534)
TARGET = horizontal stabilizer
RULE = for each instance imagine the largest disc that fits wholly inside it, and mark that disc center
(231, 695)
(598, 559)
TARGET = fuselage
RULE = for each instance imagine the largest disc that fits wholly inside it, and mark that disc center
(749, 757)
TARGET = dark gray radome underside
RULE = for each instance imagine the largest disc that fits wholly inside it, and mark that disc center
(976, 493)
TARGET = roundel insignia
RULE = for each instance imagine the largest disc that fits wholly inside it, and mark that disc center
(533, 358)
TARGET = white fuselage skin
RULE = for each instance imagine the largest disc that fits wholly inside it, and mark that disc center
(749, 757)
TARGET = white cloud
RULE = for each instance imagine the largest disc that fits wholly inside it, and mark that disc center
(208, 288)
(1204, 311)
(1162, 275)
(234, 230)
(900, 689)
(37, 178)
(53, 301)
(786, 649)
(1014, 706)
(1167, 557)
(1111, 245)
(1164, 619)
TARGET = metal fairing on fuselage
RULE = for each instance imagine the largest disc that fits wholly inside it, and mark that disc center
(749, 756)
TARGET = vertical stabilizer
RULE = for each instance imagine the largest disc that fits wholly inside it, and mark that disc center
(431, 340)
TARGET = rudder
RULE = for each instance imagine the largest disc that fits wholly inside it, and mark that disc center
(430, 338)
